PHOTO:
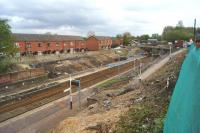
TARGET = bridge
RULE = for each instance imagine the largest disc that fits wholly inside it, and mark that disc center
(155, 50)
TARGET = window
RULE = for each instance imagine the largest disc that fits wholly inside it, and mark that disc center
(39, 45)
(28, 45)
(17, 44)
(48, 44)
(57, 44)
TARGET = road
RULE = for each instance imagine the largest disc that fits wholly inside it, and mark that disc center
(44, 118)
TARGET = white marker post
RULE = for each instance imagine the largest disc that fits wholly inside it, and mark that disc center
(70, 91)
(168, 82)
(170, 51)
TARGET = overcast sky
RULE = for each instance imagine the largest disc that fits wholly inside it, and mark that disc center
(104, 17)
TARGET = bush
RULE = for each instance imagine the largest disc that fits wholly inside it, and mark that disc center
(4, 64)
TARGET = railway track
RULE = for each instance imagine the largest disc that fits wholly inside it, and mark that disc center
(38, 94)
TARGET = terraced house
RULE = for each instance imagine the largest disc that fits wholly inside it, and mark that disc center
(38, 44)
(94, 43)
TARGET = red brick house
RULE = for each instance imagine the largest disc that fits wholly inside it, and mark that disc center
(94, 43)
(117, 41)
(46, 44)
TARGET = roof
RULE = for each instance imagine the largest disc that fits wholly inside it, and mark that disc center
(101, 37)
(115, 38)
(44, 37)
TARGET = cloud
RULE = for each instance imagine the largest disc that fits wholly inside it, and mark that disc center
(105, 17)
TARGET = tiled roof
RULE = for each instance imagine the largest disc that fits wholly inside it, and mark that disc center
(44, 37)
(102, 37)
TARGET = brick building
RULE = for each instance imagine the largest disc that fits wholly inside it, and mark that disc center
(117, 41)
(94, 43)
(46, 44)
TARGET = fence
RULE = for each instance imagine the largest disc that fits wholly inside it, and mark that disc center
(21, 75)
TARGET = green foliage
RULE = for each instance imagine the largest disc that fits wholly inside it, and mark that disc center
(4, 65)
(111, 82)
(7, 46)
(143, 118)
(143, 38)
(171, 34)
(119, 36)
(156, 36)
(127, 38)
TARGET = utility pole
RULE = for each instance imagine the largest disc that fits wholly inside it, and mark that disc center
(194, 29)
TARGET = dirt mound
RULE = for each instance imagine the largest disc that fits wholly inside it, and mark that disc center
(92, 60)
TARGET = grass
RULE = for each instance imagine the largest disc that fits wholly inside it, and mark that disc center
(110, 82)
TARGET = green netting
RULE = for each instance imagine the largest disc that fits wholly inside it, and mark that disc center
(184, 110)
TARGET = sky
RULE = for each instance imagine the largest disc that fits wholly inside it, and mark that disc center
(103, 17)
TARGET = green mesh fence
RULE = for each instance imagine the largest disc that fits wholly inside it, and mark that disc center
(184, 110)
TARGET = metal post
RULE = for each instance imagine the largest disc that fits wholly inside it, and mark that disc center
(70, 91)
(118, 66)
(79, 95)
(194, 30)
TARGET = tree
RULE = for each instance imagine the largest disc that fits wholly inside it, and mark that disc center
(127, 38)
(90, 33)
(144, 38)
(156, 36)
(180, 24)
(119, 36)
(7, 46)
(171, 34)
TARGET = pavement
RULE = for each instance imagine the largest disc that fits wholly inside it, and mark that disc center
(44, 118)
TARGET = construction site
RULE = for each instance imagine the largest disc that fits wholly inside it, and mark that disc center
(90, 92)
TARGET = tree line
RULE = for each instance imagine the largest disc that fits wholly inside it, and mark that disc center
(169, 34)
